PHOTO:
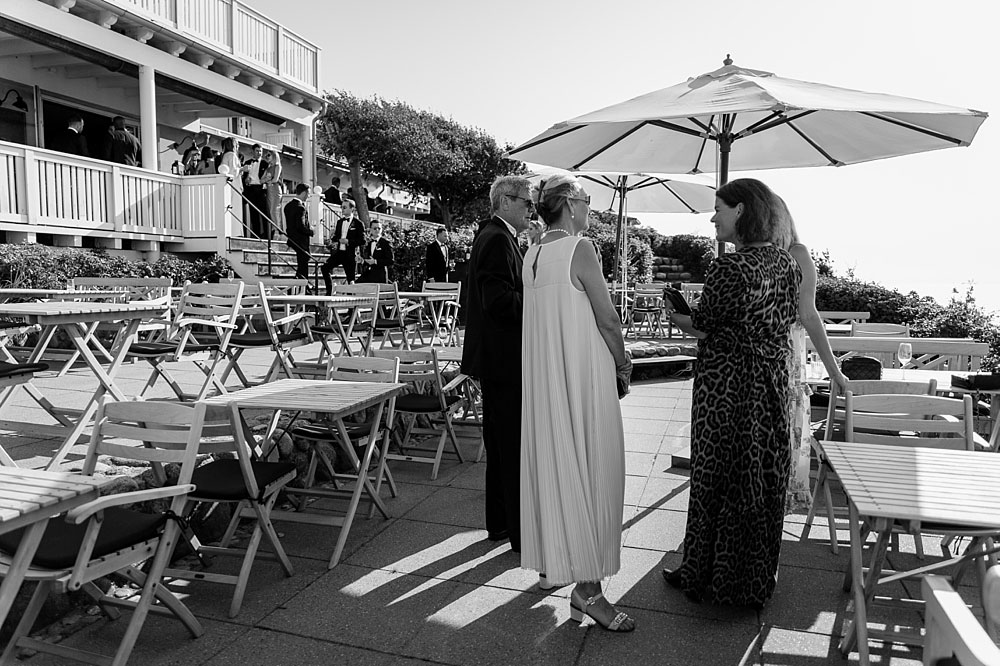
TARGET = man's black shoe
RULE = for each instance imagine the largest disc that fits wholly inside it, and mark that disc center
(501, 535)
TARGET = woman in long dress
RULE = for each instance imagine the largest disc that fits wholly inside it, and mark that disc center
(740, 446)
(572, 441)
(274, 187)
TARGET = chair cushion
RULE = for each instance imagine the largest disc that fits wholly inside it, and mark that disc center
(382, 324)
(320, 432)
(61, 541)
(14, 369)
(417, 402)
(222, 480)
(167, 348)
(263, 339)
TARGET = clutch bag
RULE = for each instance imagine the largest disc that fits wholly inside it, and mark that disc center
(861, 367)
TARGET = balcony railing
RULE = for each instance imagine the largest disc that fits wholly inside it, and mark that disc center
(234, 27)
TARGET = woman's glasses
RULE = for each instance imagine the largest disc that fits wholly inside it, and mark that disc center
(585, 199)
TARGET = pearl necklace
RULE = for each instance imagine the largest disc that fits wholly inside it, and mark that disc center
(552, 231)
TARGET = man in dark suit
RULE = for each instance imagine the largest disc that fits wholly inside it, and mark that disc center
(121, 146)
(253, 189)
(71, 140)
(437, 257)
(332, 194)
(348, 235)
(298, 230)
(492, 351)
(376, 256)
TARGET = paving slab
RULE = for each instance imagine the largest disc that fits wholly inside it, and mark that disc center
(269, 648)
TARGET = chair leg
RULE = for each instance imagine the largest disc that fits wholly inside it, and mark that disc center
(27, 620)
(264, 521)
(831, 518)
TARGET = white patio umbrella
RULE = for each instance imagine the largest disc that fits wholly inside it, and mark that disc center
(756, 120)
(626, 193)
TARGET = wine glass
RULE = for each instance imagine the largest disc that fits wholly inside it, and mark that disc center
(903, 355)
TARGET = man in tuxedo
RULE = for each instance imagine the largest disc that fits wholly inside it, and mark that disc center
(437, 257)
(332, 194)
(71, 140)
(121, 146)
(376, 256)
(253, 189)
(298, 230)
(348, 235)
(492, 351)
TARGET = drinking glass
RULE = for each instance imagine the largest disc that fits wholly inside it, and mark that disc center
(903, 355)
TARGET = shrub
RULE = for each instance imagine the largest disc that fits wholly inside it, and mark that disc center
(409, 242)
(696, 253)
(640, 257)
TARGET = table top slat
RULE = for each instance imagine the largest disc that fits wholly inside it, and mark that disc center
(309, 395)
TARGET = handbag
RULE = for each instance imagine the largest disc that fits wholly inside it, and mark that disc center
(861, 367)
(977, 382)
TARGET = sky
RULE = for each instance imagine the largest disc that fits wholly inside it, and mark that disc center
(923, 222)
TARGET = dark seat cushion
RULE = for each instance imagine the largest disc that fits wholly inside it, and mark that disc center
(167, 348)
(416, 402)
(222, 480)
(264, 339)
(384, 323)
(322, 433)
(61, 543)
(14, 369)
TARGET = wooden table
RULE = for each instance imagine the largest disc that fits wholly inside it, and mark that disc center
(58, 294)
(336, 400)
(77, 319)
(435, 301)
(28, 499)
(889, 483)
(333, 302)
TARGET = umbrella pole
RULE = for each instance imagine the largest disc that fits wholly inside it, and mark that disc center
(621, 250)
(725, 145)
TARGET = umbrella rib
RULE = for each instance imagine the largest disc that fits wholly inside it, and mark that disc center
(752, 128)
(815, 146)
(915, 128)
(546, 139)
(680, 128)
(677, 196)
(616, 140)
(757, 128)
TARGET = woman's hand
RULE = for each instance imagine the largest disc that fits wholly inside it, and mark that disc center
(840, 379)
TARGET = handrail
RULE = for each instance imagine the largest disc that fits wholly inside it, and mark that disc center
(274, 226)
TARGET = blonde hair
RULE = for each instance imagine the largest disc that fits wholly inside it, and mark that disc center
(553, 194)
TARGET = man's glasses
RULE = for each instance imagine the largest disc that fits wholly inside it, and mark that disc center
(527, 201)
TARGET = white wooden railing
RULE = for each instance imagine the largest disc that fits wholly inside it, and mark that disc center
(235, 27)
(47, 191)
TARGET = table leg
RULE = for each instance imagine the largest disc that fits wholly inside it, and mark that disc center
(44, 338)
(19, 566)
(995, 416)
(857, 627)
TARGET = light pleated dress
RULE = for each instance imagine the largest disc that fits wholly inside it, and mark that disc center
(572, 442)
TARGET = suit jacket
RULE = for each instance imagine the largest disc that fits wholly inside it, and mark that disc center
(71, 142)
(379, 271)
(297, 224)
(437, 265)
(353, 230)
(493, 319)
(122, 148)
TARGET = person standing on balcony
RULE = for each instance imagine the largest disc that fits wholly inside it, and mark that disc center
(299, 231)
(71, 140)
(332, 193)
(206, 165)
(121, 147)
(253, 191)
(376, 256)
(437, 257)
(348, 235)
(273, 185)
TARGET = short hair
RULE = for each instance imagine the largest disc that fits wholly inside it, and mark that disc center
(256, 146)
(300, 188)
(439, 230)
(349, 203)
(74, 119)
(553, 194)
(507, 186)
(763, 210)
(118, 122)
(335, 180)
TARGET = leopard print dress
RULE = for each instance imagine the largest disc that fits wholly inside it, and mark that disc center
(740, 452)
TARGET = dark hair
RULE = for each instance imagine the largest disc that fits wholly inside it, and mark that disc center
(335, 180)
(207, 153)
(300, 188)
(762, 209)
(228, 144)
(74, 119)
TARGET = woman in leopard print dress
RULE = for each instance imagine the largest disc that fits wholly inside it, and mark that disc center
(739, 416)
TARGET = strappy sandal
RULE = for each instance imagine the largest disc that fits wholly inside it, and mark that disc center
(576, 613)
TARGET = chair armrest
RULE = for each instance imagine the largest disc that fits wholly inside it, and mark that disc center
(85, 511)
(952, 629)
(294, 317)
(455, 383)
(195, 321)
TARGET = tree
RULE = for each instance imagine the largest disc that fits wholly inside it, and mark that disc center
(423, 151)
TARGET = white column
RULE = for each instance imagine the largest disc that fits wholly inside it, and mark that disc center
(147, 117)
(308, 154)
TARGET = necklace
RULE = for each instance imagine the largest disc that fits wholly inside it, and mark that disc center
(552, 231)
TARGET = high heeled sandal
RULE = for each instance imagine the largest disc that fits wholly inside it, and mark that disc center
(576, 613)
(544, 583)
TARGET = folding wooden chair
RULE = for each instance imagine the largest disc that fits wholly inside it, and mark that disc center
(874, 329)
(647, 308)
(247, 481)
(202, 306)
(354, 324)
(952, 633)
(103, 537)
(431, 400)
(444, 314)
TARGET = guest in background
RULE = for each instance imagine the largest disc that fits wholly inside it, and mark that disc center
(572, 439)
(71, 139)
(206, 165)
(740, 449)
(348, 236)
(535, 231)
(376, 256)
(192, 156)
(437, 257)
(231, 160)
(298, 230)
(492, 350)
(121, 147)
(253, 190)
(274, 187)
(332, 194)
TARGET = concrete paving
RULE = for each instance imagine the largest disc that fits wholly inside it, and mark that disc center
(427, 587)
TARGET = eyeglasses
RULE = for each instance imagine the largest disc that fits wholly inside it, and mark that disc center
(527, 201)
(585, 199)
